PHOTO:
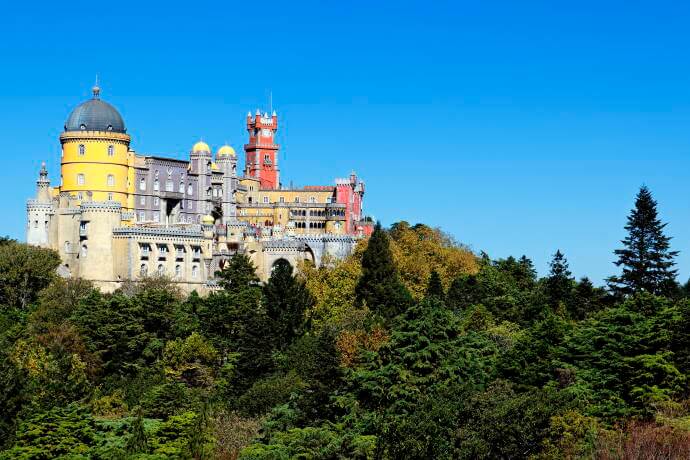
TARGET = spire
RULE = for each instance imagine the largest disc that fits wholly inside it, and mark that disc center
(96, 89)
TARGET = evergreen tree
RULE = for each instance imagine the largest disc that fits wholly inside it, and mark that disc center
(137, 442)
(380, 286)
(286, 299)
(463, 292)
(238, 274)
(435, 288)
(586, 299)
(646, 258)
(559, 283)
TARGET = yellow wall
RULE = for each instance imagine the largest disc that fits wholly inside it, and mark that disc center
(96, 165)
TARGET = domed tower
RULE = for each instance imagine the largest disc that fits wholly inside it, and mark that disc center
(95, 154)
(226, 159)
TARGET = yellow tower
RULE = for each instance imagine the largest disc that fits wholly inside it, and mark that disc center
(96, 162)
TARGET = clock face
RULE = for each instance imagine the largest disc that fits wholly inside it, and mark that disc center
(266, 132)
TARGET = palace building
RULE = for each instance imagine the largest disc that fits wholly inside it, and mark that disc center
(120, 215)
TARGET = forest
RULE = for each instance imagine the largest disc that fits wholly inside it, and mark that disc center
(413, 347)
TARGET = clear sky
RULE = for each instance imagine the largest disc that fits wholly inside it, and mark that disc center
(518, 127)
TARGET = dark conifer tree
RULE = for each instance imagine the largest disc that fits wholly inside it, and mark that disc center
(646, 259)
(286, 299)
(238, 274)
(137, 442)
(559, 283)
(463, 292)
(435, 287)
(586, 299)
(380, 286)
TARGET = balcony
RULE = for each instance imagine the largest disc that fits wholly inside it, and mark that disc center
(172, 195)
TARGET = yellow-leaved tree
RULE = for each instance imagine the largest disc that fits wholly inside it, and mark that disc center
(420, 249)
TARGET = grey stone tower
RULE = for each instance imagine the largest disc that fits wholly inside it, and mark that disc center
(40, 212)
(226, 159)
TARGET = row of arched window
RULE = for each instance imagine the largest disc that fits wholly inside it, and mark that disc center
(310, 224)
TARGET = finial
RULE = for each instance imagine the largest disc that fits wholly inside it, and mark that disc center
(96, 89)
(258, 112)
(275, 114)
(249, 113)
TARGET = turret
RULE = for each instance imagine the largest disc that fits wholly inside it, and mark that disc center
(39, 212)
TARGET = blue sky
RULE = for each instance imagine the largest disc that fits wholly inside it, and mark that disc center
(518, 127)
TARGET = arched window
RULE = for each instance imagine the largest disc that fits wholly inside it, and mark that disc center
(161, 269)
(178, 271)
(156, 185)
(82, 150)
(195, 271)
(208, 193)
(110, 196)
(84, 251)
(68, 247)
(312, 199)
(111, 180)
(169, 185)
(111, 150)
(181, 187)
(142, 184)
(296, 199)
(189, 189)
(81, 180)
(143, 270)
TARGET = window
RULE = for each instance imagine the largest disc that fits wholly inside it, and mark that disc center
(111, 150)
(142, 200)
(168, 185)
(296, 199)
(143, 270)
(142, 184)
(82, 150)
(181, 189)
(161, 270)
(111, 180)
(189, 190)
(84, 250)
(208, 193)
(145, 249)
(267, 158)
(156, 201)
(156, 185)
(68, 247)
(195, 271)
(110, 196)
(312, 199)
(281, 199)
(156, 216)
(265, 199)
(80, 179)
(178, 271)
(80, 196)
(142, 216)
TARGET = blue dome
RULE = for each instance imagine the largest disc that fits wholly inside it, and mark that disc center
(95, 115)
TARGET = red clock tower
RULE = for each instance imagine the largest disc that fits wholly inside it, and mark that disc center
(261, 153)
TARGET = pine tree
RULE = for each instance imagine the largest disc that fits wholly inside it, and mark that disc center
(435, 288)
(380, 287)
(559, 283)
(646, 258)
(463, 292)
(238, 274)
(137, 442)
(286, 299)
